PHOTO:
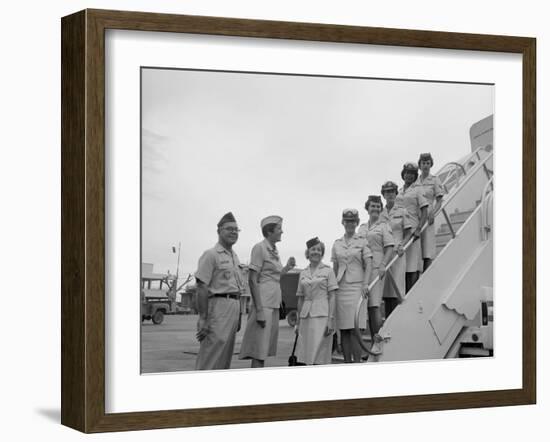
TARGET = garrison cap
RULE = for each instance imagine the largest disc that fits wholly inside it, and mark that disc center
(273, 219)
(227, 218)
(373, 199)
(426, 157)
(312, 242)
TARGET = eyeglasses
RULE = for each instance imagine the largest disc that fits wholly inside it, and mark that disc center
(232, 229)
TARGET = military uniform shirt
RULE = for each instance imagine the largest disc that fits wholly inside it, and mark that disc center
(314, 288)
(412, 199)
(379, 235)
(351, 258)
(220, 270)
(265, 260)
(431, 188)
(398, 220)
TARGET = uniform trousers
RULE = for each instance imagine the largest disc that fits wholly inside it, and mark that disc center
(216, 349)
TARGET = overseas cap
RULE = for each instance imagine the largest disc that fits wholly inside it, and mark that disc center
(373, 199)
(227, 218)
(312, 242)
(426, 157)
(350, 214)
(273, 219)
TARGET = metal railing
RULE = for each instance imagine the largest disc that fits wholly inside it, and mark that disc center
(455, 168)
(485, 208)
(481, 164)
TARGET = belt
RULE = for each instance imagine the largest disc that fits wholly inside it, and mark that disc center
(227, 295)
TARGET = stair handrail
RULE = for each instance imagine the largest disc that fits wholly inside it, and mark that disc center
(484, 208)
(458, 165)
(473, 171)
(451, 174)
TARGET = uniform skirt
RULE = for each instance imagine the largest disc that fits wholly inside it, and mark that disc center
(259, 343)
(398, 270)
(428, 242)
(313, 346)
(375, 295)
(347, 297)
(414, 256)
(216, 349)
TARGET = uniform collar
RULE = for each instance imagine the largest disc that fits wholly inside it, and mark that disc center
(389, 212)
(321, 266)
(411, 187)
(355, 236)
(221, 249)
(272, 249)
(428, 178)
(372, 226)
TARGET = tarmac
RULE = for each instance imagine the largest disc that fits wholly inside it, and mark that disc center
(172, 346)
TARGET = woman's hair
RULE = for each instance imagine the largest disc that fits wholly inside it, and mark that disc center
(426, 157)
(322, 244)
(268, 229)
(373, 199)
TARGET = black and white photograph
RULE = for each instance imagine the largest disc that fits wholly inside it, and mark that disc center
(299, 220)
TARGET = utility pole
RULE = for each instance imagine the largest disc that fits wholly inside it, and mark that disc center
(178, 266)
(174, 286)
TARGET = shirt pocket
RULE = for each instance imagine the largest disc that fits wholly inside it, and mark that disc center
(224, 264)
(304, 285)
(396, 222)
(319, 285)
(356, 253)
(226, 271)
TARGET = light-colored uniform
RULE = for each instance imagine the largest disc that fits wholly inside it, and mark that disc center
(259, 343)
(431, 189)
(379, 236)
(352, 258)
(398, 220)
(219, 270)
(313, 346)
(413, 201)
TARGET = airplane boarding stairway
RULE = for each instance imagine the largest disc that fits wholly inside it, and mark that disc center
(447, 297)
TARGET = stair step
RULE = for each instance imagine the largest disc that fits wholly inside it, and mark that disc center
(443, 238)
(444, 228)
(443, 234)
(458, 216)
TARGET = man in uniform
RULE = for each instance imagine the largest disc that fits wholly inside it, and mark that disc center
(264, 274)
(219, 286)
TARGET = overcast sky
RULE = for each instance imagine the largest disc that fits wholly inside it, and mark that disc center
(300, 147)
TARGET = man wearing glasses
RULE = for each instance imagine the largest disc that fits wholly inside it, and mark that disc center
(219, 286)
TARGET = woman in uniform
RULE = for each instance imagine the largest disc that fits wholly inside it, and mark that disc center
(411, 198)
(352, 264)
(433, 192)
(381, 244)
(264, 274)
(396, 217)
(316, 304)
